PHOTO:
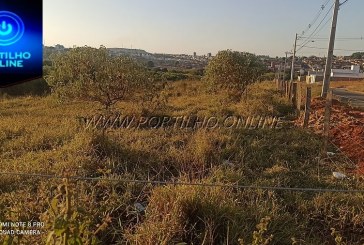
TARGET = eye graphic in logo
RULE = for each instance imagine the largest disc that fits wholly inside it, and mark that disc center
(11, 28)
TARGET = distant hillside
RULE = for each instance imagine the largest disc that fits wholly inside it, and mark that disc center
(167, 61)
(114, 51)
(118, 51)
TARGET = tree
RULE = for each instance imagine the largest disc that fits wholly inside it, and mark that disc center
(92, 74)
(233, 71)
(358, 55)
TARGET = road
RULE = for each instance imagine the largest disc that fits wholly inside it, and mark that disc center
(354, 99)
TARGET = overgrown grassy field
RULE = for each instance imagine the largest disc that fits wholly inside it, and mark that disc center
(41, 135)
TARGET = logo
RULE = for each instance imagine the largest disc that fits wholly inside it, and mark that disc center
(11, 28)
(21, 37)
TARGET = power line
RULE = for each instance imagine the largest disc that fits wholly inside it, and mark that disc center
(341, 4)
(312, 38)
(323, 6)
(317, 30)
(313, 47)
(337, 39)
(336, 49)
(272, 188)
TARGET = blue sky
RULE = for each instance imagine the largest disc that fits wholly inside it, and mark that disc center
(202, 26)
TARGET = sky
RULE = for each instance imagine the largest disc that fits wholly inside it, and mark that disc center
(263, 27)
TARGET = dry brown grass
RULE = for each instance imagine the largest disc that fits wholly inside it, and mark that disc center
(39, 135)
(354, 86)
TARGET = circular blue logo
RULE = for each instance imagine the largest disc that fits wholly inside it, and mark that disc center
(11, 28)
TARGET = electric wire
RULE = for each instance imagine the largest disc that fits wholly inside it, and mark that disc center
(343, 3)
(337, 49)
(317, 30)
(311, 38)
(312, 23)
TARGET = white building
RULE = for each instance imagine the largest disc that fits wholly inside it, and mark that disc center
(336, 75)
(345, 74)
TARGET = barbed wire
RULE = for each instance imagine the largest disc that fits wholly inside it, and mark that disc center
(342, 153)
(212, 185)
(360, 146)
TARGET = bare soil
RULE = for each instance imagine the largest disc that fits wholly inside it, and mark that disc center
(346, 131)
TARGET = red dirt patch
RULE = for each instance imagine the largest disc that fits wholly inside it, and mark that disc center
(346, 131)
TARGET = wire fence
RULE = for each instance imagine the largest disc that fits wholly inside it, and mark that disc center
(176, 183)
(341, 125)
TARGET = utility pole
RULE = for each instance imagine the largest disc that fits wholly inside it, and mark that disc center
(285, 65)
(292, 68)
(279, 71)
(283, 84)
(330, 52)
(293, 58)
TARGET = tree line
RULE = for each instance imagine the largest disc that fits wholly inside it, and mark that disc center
(92, 74)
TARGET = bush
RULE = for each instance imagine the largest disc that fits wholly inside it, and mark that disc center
(268, 76)
(92, 74)
(34, 87)
(233, 71)
(173, 76)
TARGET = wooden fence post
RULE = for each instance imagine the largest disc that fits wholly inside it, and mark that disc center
(289, 90)
(307, 107)
(293, 95)
(299, 97)
(327, 123)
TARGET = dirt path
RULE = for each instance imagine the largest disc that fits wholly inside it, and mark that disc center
(354, 99)
(347, 129)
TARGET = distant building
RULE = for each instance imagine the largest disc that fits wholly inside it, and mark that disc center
(337, 75)
(194, 54)
(346, 74)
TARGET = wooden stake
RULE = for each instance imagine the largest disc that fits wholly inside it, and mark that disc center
(307, 107)
(327, 123)
(299, 97)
